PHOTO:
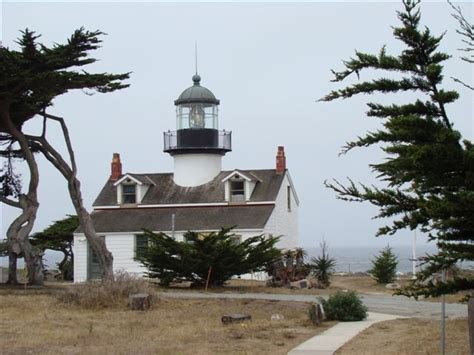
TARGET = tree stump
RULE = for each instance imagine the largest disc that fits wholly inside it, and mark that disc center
(235, 318)
(139, 302)
(316, 313)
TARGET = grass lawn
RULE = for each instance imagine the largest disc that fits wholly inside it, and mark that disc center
(409, 336)
(35, 322)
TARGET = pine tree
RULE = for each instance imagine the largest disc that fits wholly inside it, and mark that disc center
(384, 266)
(212, 258)
(429, 170)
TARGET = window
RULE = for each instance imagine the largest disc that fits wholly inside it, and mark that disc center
(129, 194)
(237, 191)
(141, 243)
(288, 197)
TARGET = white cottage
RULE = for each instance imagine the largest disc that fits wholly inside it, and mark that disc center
(196, 196)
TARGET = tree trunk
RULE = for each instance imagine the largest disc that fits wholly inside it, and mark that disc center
(74, 186)
(12, 269)
(34, 263)
(63, 262)
(97, 244)
(19, 231)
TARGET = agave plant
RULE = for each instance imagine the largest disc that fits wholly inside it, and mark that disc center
(323, 266)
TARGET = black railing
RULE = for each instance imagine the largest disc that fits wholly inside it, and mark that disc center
(202, 139)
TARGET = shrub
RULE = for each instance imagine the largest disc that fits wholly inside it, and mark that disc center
(345, 307)
(384, 266)
(323, 266)
(216, 256)
(106, 293)
(288, 267)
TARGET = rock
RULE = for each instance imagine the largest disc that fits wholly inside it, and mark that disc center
(392, 286)
(300, 284)
(235, 318)
(313, 282)
(139, 301)
(316, 313)
(277, 316)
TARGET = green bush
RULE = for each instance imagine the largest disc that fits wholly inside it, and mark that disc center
(384, 266)
(215, 257)
(345, 307)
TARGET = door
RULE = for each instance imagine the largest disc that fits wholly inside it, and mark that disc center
(94, 270)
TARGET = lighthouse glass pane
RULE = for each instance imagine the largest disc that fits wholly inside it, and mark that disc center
(182, 116)
(197, 115)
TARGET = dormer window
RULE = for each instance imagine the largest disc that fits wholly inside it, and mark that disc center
(237, 190)
(132, 188)
(129, 193)
(239, 186)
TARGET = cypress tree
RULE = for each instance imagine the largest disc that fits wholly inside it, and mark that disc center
(384, 266)
(428, 175)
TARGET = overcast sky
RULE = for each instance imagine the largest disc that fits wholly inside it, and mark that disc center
(268, 63)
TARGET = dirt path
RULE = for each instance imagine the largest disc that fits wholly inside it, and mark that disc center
(398, 305)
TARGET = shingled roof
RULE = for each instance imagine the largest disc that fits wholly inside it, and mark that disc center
(165, 191)
(186, 218)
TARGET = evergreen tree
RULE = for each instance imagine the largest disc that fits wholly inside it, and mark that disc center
(32, 78)
(429, 171)
(59, 236)
(384, 266)
(216, 256)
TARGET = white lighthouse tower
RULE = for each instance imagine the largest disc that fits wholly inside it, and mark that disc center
(197, 145)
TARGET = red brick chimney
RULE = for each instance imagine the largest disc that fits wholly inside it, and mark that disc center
(116, 167)
(280, 160)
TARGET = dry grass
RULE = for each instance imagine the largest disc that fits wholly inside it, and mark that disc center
(359, 284)
(106, 293)
(36, 322)
(410, 337)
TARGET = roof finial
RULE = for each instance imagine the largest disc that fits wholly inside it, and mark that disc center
(196, 77)
(196, 56)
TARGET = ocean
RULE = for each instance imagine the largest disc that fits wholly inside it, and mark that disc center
(348, 259)
(358, 259)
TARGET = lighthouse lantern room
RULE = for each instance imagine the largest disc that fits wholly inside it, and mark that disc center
(197, 145)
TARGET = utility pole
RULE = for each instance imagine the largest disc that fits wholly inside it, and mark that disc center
(443, 316)
(172, 225)
(414, 258)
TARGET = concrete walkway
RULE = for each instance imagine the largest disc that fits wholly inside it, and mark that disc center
(332, 339)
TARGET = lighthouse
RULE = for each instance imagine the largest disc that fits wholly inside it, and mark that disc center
(197, 146)
(197, 196)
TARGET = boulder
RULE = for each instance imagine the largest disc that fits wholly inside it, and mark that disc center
(300, 284)
(277, 316)
(313, 282)
(235, 318)
(392, 286)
